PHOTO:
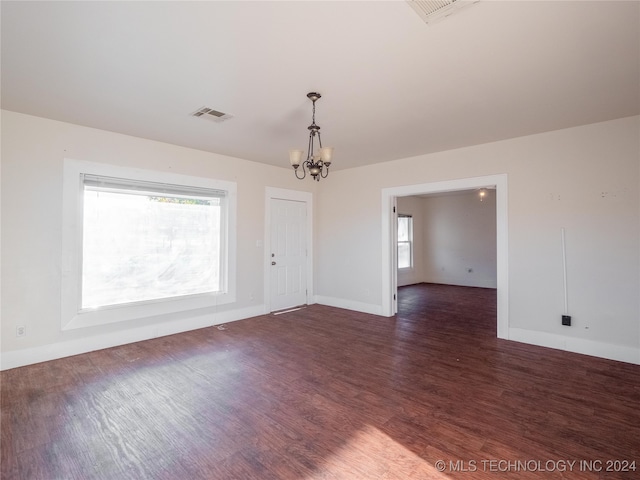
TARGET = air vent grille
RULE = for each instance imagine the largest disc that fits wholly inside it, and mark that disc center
(433, 10)
(211, 114)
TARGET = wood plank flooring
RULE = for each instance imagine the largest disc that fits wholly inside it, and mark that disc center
(324, 393)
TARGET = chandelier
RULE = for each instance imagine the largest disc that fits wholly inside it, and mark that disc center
(318, 160)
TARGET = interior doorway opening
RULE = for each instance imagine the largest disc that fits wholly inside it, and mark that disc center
(389, 239)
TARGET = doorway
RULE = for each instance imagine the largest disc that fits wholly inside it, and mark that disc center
(389, 221)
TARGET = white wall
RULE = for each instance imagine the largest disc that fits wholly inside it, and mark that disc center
(33, 150)
(584, 179)
(460, 235)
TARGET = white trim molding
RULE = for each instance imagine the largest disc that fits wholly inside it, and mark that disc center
(53, 351)
(583, 346)
(349, 305)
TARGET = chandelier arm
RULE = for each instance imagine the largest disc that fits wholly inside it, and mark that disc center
(326, 174)
(304, 172)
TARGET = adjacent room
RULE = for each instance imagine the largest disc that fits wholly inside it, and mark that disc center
(305, 240)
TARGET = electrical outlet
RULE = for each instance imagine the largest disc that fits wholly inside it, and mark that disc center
(21, 331)
(566, 320)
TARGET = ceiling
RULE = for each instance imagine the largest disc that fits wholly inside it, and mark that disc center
(392, 86)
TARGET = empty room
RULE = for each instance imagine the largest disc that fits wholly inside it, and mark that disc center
(320, 240)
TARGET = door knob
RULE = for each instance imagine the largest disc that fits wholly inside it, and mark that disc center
(273, 263)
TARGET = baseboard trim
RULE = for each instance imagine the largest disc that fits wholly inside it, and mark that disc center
(349, 305)
(576, 345)
(44, 353)
(462, 283)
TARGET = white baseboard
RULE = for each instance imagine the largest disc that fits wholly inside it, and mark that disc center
(577, 345)
(463, 282)
(349, 305)
(44, 353)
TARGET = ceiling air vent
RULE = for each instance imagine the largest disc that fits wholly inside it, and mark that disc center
(211, 114)
(433, 10)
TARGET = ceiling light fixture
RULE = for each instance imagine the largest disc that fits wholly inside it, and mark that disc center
(317, 163)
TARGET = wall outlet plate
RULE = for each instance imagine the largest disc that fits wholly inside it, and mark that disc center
(566, 320)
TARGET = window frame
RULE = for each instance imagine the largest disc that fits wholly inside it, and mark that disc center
(409, 242)
(73, 315)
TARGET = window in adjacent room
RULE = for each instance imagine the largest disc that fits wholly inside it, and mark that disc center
(405, 241)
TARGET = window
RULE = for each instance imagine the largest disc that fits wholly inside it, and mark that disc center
(145, 241)
(140, 244)
(405, 241)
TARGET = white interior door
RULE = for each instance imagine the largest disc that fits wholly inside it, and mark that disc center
(288, 254)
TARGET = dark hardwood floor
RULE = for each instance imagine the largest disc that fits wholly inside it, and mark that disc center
(327, 393)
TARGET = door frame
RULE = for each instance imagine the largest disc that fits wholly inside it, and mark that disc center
(390, 275)
(272, 193)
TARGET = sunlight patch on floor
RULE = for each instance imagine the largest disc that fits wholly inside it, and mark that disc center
(370, 453)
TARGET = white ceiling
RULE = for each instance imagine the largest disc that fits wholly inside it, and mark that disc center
(392, 86)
